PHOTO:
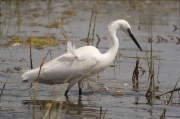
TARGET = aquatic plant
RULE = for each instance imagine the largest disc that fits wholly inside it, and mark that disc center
(3, 33)
(69, 12)
(2, 28)
(93, 11)
(62, 30)
(151, 90)
(42, 42)
(17, 39)
(4, 85)
(163, 115)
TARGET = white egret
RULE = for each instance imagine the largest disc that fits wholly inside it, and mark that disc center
(78, 64)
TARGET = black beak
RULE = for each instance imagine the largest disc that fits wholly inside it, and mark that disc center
(134, 39)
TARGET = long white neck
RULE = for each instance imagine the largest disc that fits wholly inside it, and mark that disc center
(114, 44)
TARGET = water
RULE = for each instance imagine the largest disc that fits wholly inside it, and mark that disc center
(25, 19)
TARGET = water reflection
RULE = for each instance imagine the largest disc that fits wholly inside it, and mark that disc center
(67, 107)
(136, 87)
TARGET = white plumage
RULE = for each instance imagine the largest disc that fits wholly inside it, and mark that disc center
(78, 64)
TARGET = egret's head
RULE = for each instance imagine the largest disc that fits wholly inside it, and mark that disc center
(124, 26)
(119, 24)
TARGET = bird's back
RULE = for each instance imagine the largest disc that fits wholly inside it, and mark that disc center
(67, 66)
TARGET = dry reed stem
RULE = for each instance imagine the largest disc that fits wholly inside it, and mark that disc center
(175, 89)
(163, 114)
(62, 30)
(149, 92)
(30, 47)
(98, 40)
(94, 27)
(94, 10)
(105, 113)
(133, 6)
(164, 111)
(165, 98)
(36, 85)
(136, 72)
(1, 94)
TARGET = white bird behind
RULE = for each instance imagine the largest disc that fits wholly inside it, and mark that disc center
(74, 64)
(78, 64)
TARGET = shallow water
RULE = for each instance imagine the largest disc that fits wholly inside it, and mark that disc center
(26, 19)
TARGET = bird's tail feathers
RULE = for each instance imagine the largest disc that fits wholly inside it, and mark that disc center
(71, 48)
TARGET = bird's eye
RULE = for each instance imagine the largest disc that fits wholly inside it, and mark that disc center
(129, 30)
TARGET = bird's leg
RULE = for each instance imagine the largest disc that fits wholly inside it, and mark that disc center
(66, 93)
(80, 91)
(71, 84)
(80, 84)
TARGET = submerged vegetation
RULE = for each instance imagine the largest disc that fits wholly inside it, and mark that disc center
(69, 12)
(40, 42)
(37, 42)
